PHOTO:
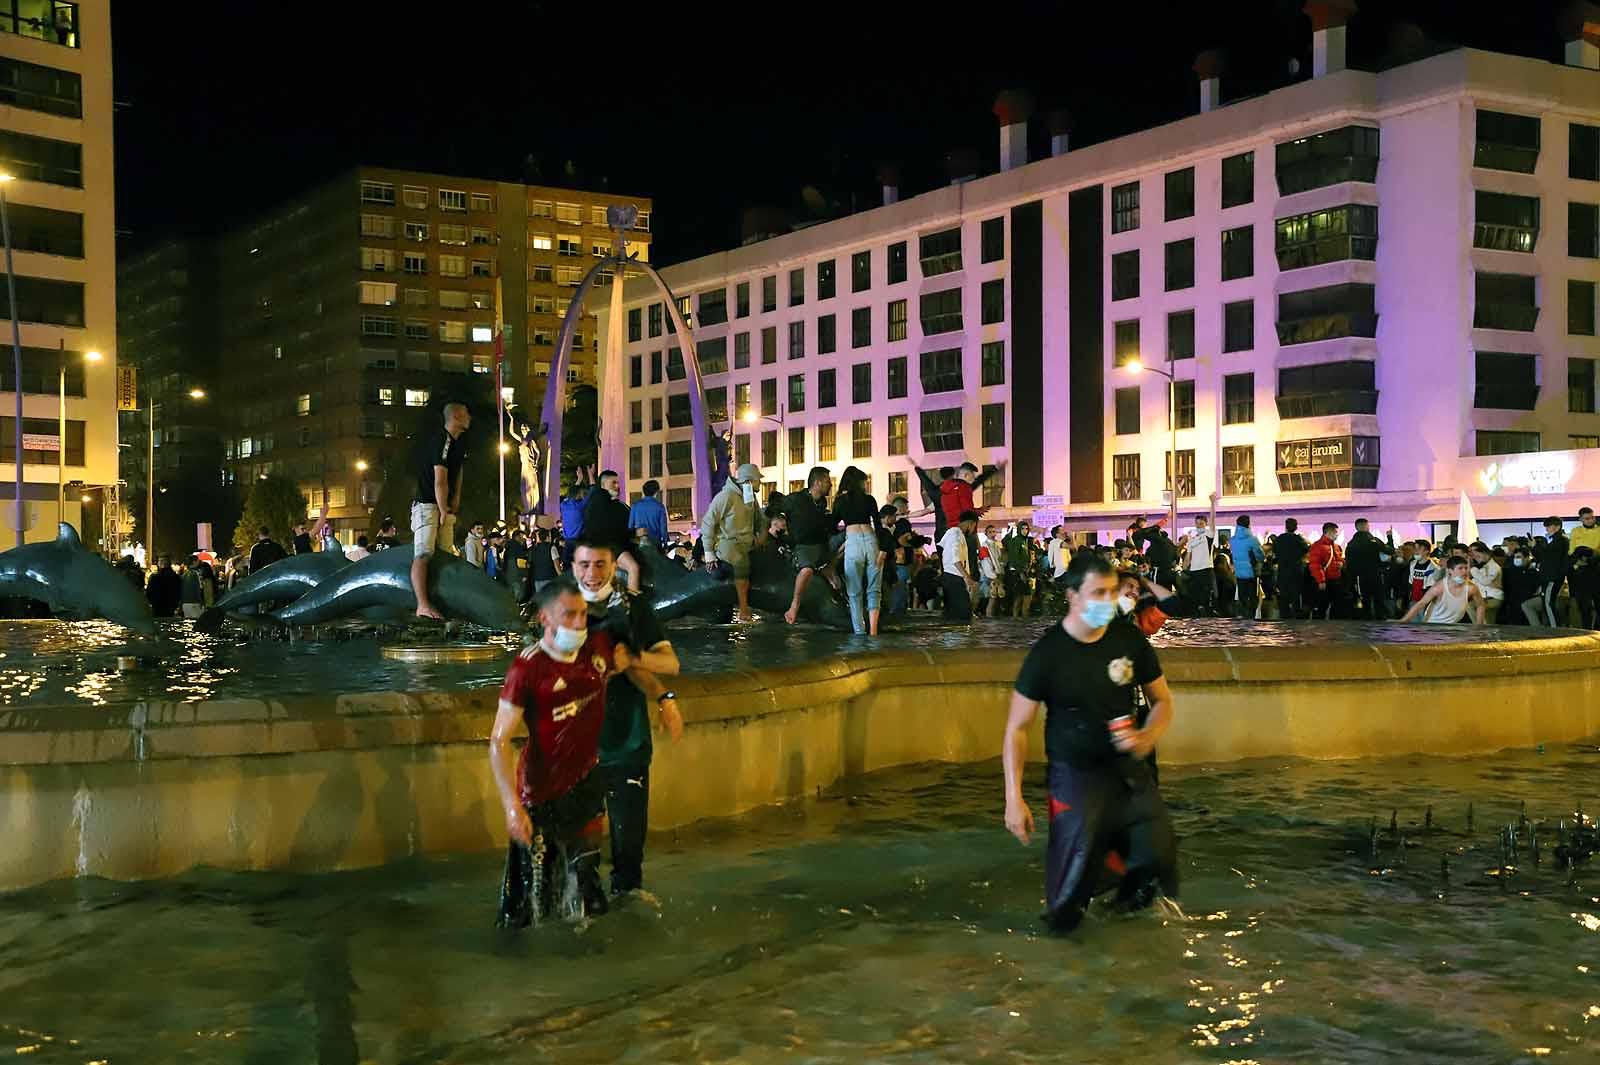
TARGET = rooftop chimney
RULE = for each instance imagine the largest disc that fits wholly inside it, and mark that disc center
(1210, 65)
(889, 178)
(1060, 123)
(1328, 21)
(962, 165)
(1012, 108)
(1580, 29)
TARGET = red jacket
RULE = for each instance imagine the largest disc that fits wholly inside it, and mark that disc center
(955, 496)
(1326, 561)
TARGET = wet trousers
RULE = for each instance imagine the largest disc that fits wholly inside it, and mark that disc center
(1108, 829)
(628, 811)
(560, 873)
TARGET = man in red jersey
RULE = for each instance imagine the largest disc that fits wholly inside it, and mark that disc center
(554, 798)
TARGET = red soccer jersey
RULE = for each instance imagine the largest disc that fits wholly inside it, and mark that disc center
(563, 705)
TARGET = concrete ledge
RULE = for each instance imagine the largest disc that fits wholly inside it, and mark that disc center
(347, 780)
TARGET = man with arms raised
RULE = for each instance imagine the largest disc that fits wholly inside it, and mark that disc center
(438, 494)
(1108, 825)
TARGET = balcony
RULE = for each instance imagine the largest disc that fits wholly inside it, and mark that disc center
(1517, 317)
(1328, 327)
(1325, 404)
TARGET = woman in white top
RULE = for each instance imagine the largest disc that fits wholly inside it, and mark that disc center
(1446, 602)
(1486, 577)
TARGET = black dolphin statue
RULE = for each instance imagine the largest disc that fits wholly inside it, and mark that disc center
(283, 581)
(74, 582)
(380, 586)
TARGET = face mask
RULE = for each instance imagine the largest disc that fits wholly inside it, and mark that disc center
(567, 640)
(1098, 614)
(749, 492)
(599, 596)
(1457, 580)
(1519, 562)
(1125, 604)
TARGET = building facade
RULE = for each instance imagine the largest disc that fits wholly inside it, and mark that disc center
(55, 145)
(1373, 290)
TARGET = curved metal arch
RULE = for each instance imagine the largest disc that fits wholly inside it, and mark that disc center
(555, 395)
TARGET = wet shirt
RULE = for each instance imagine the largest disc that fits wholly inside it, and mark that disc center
(563, 707)
(625, 738)
(1083, 686)
(437, 448)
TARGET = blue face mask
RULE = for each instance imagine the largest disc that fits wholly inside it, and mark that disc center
(1097, 614)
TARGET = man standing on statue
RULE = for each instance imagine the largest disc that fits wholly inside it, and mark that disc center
(728, 532)
(438, 494)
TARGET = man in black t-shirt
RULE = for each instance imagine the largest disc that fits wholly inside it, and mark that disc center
(436, 499)
(810, 527)
(265, 552)
(1108, 825)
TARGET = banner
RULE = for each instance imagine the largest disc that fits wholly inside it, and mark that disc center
(127, 388)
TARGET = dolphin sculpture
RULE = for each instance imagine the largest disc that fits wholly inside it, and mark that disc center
(381, 584)
(283, 581)
(675, 591)
(74, 582)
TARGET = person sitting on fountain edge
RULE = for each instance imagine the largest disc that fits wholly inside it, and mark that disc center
(1108, 824)
(553, 796)
(438, 494)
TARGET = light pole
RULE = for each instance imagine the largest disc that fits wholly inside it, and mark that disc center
(1137, 366)
(16, 344)
(61, 434)
(750, 417)
(150, 480)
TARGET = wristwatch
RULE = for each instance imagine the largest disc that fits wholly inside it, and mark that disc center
(664, 696)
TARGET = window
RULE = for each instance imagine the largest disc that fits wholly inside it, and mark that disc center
(1238, 252)
(453, 332)
(861, 438)
(378, 292)
(827, 388)
(1347, 154)
(1583, 230)
(741, 399)
(1505, 381)
(636, 417)
(741, 299)
(1580, 308)
(861, 271)
(418, 297)
(1125, 207)
(482, 203)
(1127, 407)
(377, 225)
(898, 440)
(39, 88)
(635, 371)
(1327, 388)
(1583, 152)
(741, 351)
(1180, 194)
(993, 364)
(385, 395)
(897, 320)
(941, 311)
(769, 294)
(1326, 313)
(826, 282)
(897, 378)
(680, 459)
(453, 299)
(1578, 441)
(827, 442)
(378, 260)
(827, 334)
(898, 480)
(940, 252)
(452, 266)
(941, 430)
(656, 313)
(714, 306)
(414, 262)
(1238, 399)
(418, 329)
(635, 325)
(769, 397)
(769, 345)
(1504, 301)
(1506, 443)
(683, 306)
(678, 415)
(484, 268)
(797, 340)
(675, 370)
(1239, 470)
(452, 200)
(941, 371)
(1125, 345)
(1185, 473)
(797, 287)
(417, 231)
(371, 325)
(1180, 335)
(679, 500)
(1183, 391)
(655, 367)
(861, 383)
(635, 463)
(1505, 222)
(569, 246)
(1239, 325)
(657, 467)
(1125, 275)
(377, 192)
(712, 355)
(1580, 386)
(1180, 264)
(897, 262)
(797, 447)
(1238, 179)
(570, 213)
(716, 404)
(861, 327)
(479, 236)
(1125, 477)
(1507, 142)
(417, 397)
(992, 240)
(994, 301)
(541, 209)
(302, 405)
(1332, 235)
(545, 275)
(994, 425)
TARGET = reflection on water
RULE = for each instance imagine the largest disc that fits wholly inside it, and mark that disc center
(893, 920)
(75, 663)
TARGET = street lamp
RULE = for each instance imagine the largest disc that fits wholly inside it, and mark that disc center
(150, 477)
(61, 433)
(361, 465)
(16, 343)
(750, 417)
(1137, 366)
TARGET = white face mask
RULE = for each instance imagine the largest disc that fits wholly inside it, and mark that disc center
(1126, 604)
(567, 640)
(749, 492)
(599, 595)
(1457, 580)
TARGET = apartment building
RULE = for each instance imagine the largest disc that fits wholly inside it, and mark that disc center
(1373, 291)
(55, 150)
(348, 316)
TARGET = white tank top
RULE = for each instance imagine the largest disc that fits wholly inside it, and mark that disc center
(1449, 608)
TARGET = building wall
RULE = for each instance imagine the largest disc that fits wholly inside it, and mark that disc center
(95, 269)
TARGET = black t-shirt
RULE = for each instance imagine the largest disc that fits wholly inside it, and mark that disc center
(437, 448)
(625, 731)
(808, 519)
(1083, 686)
(855, 508)
(264, 554)
(302, 543)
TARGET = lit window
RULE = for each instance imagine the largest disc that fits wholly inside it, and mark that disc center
(452, 200)
(302, 404)
(416, 231)
(482, 202)
(416, 397)
(416, 197)
(386, 395)
(542, 242)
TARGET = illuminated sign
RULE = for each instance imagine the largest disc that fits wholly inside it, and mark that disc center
(1539, 474)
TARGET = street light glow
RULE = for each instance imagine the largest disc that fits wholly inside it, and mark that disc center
(92, 356)
(197, 393)
(1133, 366)
(84, 498)
(5, 177)
(748, 417)
(361, 465)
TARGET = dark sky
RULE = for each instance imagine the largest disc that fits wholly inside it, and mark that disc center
(230, 108)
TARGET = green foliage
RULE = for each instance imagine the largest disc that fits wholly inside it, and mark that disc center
(273, 503)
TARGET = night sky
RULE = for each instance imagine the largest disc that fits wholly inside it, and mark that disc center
(227, 109)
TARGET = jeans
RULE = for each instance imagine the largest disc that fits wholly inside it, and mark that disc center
(862, 577)
(899, 593)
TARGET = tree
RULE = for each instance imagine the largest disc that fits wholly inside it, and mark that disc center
(273, 503)
(185, 500)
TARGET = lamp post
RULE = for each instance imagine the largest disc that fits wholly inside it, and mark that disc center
(150, 480)
(1137, 366)
(61, 434)
(750, 417)
(16, 345)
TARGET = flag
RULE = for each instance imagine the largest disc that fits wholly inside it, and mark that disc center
(1467, 526)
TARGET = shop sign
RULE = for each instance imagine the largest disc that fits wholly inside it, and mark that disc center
(1539, 474)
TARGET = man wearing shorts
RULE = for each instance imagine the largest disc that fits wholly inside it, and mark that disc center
(438, 494)
(728, 532)
(809, 528)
